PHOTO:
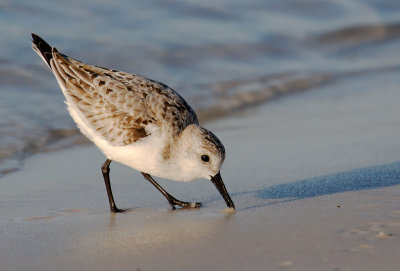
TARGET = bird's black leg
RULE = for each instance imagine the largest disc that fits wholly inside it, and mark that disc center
(105, 169)
(172, 201)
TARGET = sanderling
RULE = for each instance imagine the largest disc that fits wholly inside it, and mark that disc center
(137, 122)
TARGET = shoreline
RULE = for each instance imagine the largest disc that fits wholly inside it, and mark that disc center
(315, 178)
(264, 90)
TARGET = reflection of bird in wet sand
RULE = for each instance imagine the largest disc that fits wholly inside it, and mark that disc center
(138, 122)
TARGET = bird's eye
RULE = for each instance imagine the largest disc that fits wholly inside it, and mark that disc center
(205, 158)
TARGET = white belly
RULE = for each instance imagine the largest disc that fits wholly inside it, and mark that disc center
(143, 155)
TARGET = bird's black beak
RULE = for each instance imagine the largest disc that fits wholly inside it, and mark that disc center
(219, 184)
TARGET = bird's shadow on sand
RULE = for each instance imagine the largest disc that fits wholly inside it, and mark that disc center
(353, 180)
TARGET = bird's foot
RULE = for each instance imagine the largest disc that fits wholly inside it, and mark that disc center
(115, 209)
(184, 204)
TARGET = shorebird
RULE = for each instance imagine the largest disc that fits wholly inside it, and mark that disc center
(138, 122)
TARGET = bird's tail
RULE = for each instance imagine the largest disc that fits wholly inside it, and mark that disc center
(42, 48)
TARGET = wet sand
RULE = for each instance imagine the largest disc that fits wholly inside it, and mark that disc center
(315, 178)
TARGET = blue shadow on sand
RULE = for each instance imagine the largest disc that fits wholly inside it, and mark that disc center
(353, 180)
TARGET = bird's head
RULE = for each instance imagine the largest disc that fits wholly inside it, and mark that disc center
(204, 155)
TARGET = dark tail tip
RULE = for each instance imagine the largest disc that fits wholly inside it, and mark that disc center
(43, 47)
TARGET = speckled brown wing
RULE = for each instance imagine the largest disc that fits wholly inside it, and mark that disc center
(118, 105)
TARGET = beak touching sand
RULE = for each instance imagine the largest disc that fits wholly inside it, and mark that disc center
(219, 184)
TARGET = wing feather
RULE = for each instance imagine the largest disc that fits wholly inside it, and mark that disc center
(117, 105)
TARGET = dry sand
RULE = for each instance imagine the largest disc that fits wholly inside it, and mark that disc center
(315, 178)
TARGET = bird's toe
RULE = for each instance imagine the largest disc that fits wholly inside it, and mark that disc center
(117, 210)
(195, 204)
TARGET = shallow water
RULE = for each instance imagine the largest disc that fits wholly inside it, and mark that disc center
(220, 55)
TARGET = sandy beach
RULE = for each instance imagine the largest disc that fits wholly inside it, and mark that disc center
(315, 178)
(303, 94)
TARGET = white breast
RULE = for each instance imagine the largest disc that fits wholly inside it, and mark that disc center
(143, 155)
